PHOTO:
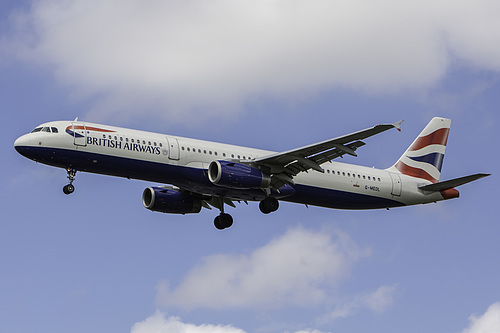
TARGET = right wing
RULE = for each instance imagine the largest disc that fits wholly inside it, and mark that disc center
(284, 166)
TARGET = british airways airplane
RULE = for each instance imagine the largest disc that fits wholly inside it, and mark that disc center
(207, 174)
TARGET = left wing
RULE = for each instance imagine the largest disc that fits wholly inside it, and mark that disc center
(284, 166)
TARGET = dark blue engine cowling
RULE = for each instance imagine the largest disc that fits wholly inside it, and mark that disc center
(165, 200)
(236, 175)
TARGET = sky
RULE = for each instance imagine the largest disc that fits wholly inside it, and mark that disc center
(268, 74)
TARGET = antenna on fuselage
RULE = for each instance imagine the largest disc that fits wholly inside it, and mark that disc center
(76, 119)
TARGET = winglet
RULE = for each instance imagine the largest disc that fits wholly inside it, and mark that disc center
(398, 125)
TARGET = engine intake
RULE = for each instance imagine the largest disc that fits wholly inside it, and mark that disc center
(165, 200)
(236, 175)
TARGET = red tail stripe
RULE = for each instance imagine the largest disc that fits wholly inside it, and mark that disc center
(414, 172)
(438, 137)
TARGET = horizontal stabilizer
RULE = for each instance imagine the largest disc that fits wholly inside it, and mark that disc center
(446, 185)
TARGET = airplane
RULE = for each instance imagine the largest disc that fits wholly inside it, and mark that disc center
(202, 174)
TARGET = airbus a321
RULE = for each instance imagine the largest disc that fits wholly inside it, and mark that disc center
(208, 174)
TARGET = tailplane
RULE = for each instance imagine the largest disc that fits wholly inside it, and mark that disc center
(424, 158)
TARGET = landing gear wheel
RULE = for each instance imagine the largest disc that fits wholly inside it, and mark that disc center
(223, 221)
(269, 205)
(68, 189)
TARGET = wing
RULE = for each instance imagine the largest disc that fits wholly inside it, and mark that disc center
(284, 166)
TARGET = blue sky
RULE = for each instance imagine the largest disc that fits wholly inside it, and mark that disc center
(267, 74)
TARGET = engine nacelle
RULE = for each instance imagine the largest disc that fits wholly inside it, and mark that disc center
(165, 200)
(236, 175)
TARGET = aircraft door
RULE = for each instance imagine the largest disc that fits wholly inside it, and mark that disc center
(173, 148)
(79, 134)
(396, 184)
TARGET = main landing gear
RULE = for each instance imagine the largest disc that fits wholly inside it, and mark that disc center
(224, 220)
(68, 189)
(269, 205)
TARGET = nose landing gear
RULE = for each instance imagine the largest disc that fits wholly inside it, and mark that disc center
(68, 189)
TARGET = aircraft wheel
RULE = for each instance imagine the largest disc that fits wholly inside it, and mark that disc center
(223, 221)
(68, 189)
(269, 205)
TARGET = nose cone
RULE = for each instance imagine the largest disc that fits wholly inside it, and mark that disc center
(22, 145)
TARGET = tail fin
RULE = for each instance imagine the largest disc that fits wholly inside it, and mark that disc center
(425, 156)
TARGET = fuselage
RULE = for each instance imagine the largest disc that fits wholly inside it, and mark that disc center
(183, 162)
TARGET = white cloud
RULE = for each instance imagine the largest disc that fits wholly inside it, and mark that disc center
(159, 323)
(168, 57)
(377, 301)
(489, 322)
(300, 268)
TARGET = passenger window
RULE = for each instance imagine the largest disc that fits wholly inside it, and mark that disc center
(154, 144)
(210, 152)
(38, 129)
(161, 145)
(232, 155)
(143, 142)
(149, 143)
(126, 139)
(215, 153)
(369, 178)
(54, 130)
(343, 173)
(116, 138)
(121, 139)
(132, 140)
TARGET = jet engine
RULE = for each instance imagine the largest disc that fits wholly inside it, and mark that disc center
(236, 175)
(166, 200)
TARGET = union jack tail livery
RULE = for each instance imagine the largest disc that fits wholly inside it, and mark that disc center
(425, 156)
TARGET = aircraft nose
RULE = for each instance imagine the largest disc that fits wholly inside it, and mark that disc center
(22, 145)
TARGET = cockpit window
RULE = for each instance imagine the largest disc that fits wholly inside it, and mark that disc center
(54, 129)
(38, 129)
(46, 129)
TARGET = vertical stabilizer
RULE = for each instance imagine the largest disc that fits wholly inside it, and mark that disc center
(425, 156)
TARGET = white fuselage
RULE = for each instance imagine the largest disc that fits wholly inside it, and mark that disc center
(183, 162)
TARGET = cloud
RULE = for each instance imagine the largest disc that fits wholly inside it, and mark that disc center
(171, 57)
(377, 301)
(159, 323)
(489, 322)
(301, 268)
